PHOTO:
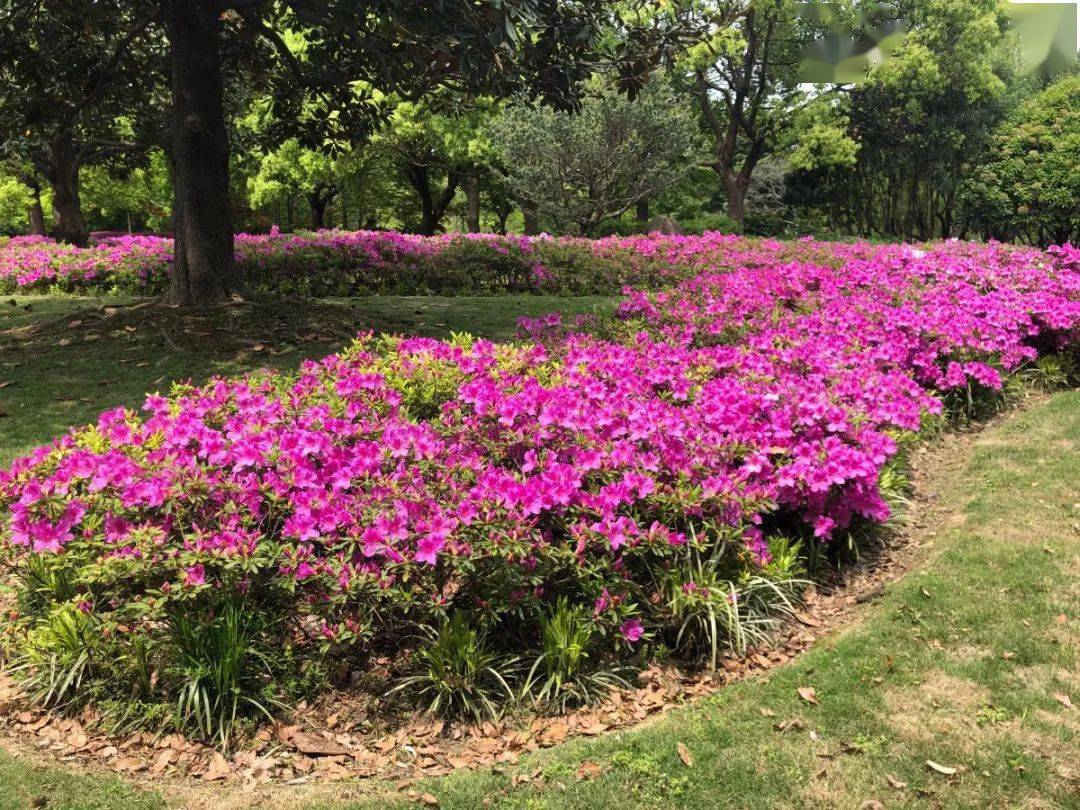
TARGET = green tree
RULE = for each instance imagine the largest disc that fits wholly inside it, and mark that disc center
(919, 121)
(129, 197)
(74, 89)
(349, 55)
(1029, 186)
(291, 171)
(16, 199)
(739, 62)
(582, 168)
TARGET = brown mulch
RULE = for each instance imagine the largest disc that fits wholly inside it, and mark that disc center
(337, 740)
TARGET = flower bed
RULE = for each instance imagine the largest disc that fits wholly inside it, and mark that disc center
(574, 499)
(327, 263)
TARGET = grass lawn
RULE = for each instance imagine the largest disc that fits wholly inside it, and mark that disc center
(958, 663)
(64, 360)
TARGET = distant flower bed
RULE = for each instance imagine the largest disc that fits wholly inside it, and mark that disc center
(537, 511)
(327, 263)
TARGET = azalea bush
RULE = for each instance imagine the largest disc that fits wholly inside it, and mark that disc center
(337, 263)
(577, 498)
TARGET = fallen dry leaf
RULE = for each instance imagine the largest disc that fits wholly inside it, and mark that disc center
(386, 744)
(314, 745)
(163, 761)
(219, 768)
(945, 769)
(77, 739)
(554, 734)
(588, 770)
(429, 800)
(896, 783)
(1063, 699)
(809, 694)
(685, 755)
(807, 619)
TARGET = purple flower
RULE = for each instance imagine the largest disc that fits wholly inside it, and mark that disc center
(195, 576)
(632, 631)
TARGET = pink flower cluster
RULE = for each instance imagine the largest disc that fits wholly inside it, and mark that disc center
(32, 263)
(332, 262)
(769, 395)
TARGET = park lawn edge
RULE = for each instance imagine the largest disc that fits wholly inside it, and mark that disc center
(970, 648)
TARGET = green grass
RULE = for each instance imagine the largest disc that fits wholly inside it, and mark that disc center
(80, 361)
(957, 663)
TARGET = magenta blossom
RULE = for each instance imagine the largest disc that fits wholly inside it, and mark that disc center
(195, 576)
(632, 631)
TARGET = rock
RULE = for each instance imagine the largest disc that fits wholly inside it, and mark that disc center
(664, 225)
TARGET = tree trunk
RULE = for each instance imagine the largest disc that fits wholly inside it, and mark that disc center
(36, 215)
(502, 214)
(63, 175)
(532, 218)
(472, 203)
(204, 270)
(641, 212)
(431, 209)
(735, 190)
(318, 210)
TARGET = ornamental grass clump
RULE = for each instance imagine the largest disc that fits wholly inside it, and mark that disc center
(626, 488)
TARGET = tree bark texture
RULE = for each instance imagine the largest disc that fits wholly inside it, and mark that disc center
(204, 269)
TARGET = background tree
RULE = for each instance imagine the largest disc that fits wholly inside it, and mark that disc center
(291, 172)
(1029, 187)
(741, 69)
(77, 81)
(352, 56)
(429, 152)
(582, 168)
(919, 120)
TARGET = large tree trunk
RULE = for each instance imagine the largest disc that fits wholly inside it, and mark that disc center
(62, 172)
(204, 270)
(318, 211)
(417, 176)
(472, 203)
(641, 212)
(735, 190)
(501, 215)
(36, 215)
(532, 218)
(432, 209)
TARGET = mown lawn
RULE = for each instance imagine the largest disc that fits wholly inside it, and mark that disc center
(966, 662)
(64, 360)
(958, 663)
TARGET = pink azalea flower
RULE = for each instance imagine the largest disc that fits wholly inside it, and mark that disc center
(632, 631)
(194, 576)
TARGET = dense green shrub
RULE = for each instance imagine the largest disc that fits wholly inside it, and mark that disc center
(1029, 186)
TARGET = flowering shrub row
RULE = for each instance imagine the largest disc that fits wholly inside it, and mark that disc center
(329, 262)
(647, 477)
